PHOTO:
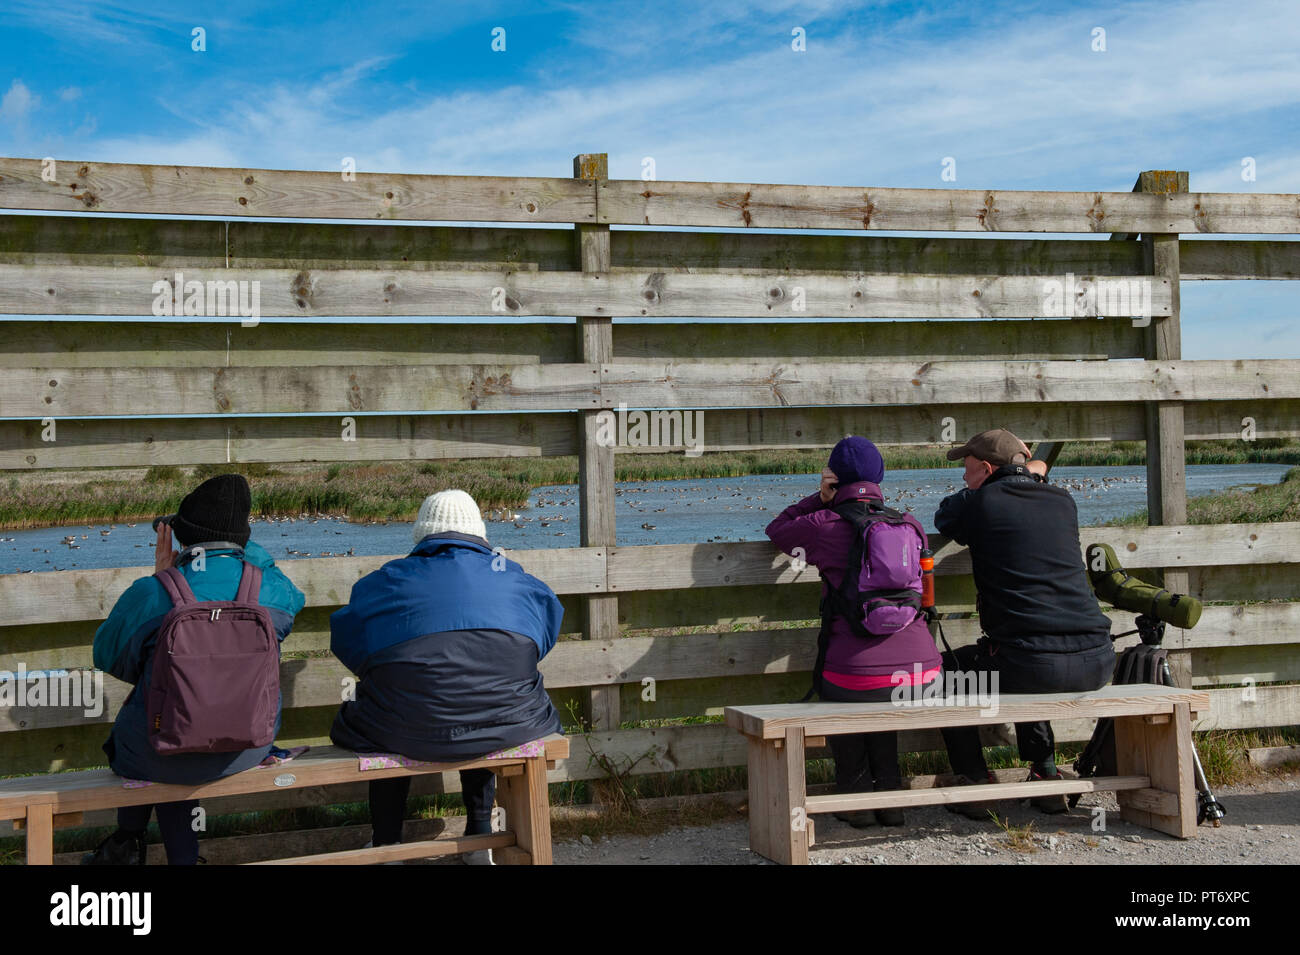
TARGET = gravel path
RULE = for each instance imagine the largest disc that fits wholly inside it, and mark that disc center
(1262, 827)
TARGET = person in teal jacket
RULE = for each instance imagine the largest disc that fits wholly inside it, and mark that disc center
(213, 532)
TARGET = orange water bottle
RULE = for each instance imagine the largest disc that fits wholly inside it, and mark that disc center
(927, 580)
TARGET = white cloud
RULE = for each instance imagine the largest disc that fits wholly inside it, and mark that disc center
(17, 102)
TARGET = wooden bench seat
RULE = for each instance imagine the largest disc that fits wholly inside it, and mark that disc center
(1153, 746)
(43, 803)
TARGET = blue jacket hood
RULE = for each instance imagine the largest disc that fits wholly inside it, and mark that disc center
(448, 582)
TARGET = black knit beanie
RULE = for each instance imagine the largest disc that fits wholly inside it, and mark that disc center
(216, 510)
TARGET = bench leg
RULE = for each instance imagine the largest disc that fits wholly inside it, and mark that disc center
(1162, 751)
(528, 814)
(40, 835)
(778, 818)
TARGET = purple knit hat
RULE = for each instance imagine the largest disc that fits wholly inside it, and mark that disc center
(857, 459)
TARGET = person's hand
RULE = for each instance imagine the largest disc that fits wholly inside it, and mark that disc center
(163, 555)
(830, 484)
(1037, 467)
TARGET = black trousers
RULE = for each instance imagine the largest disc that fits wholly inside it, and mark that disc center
(478, 789)
(175, 825)
(1022, 671)
(864, 761)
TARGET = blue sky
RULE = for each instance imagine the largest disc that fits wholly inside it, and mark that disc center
(1015, 93)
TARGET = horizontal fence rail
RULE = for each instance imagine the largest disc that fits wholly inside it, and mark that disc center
(169, 243)
(40, 392)
(83, 186)
(123, 290)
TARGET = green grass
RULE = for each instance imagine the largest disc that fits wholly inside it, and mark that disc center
(1265, 504)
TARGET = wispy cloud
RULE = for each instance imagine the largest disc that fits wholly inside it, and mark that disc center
(17, 102)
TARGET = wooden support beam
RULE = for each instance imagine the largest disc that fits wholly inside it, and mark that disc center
(1166, 450)
(1163, 752)
(528, 815)
(595, 345)
(40, 834)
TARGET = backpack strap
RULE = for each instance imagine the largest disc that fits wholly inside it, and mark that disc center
(250, 584)
(177, 587)
(823, 641)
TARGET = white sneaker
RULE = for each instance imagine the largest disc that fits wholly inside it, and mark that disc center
(477, 857)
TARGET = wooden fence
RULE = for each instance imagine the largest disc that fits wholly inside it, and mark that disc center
(502, 385)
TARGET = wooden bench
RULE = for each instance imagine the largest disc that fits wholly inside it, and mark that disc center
(43, 803)
(1153, 746)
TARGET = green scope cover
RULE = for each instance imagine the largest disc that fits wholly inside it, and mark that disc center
(1128, 593)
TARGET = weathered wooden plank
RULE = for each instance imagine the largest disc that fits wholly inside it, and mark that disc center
(596, 521)
(739, 251)
(328, 389)
(837, 341)
(345, 389)
(280, 193)
(89, 594)
(143, 291)
(674, 566)
(949, 795)
(122, 442)
(770, 206)
(134, 442)
(1165, 440)
(102, 240)
(1238, 259)
(1250, 665)
(710, 384)
(818, 719)
(203, 342)
(64, 596)
(1230, 419)
(1243, 584)
(200, 342)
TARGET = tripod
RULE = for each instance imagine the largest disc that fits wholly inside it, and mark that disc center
(1146, 663)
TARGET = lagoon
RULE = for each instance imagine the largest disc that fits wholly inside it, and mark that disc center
(696, 510)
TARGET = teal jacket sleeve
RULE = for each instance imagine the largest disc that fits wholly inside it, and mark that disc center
(122, 640)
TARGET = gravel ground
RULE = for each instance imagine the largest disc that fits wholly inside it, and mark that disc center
(1262, 827)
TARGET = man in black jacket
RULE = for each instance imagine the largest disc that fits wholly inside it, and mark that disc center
(1043, 629)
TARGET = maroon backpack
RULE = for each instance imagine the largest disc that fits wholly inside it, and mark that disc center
(216, 671)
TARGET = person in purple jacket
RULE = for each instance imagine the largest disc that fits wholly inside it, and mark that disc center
(857, 670)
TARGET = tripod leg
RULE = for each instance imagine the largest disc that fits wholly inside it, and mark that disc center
(1208, 808)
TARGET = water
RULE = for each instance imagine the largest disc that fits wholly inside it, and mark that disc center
(649, 512)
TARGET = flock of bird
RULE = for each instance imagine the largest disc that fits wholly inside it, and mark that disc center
(631, 496)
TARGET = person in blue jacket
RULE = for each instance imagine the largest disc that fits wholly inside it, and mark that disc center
(213, 532)
(445, 643)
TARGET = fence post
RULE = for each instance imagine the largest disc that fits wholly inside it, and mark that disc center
(596, 463)
(1166, 446)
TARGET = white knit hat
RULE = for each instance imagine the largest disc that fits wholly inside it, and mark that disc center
(449, 511)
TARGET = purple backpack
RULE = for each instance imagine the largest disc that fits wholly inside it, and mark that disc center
(216, 671)
(884, 596)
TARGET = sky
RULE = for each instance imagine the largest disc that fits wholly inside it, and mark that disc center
(1054, 95)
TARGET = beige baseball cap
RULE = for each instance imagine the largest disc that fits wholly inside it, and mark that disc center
(998, 446)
